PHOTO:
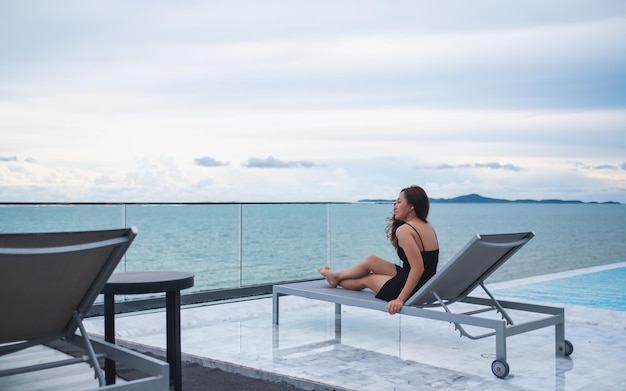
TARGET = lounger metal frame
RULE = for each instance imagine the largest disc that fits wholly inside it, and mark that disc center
(441, 292)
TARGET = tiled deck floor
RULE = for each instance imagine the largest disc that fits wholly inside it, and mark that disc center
(381, 352)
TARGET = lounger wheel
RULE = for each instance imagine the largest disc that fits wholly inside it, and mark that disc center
(569, 348)
(500, 368)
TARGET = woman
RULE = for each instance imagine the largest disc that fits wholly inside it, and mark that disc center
(416, 243)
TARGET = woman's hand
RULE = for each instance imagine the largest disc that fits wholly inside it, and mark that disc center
(394, 306)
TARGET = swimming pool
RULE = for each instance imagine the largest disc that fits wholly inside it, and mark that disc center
(599, 289)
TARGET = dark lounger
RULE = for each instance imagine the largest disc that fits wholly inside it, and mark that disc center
(48, 282)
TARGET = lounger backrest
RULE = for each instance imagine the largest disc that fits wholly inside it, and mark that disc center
(472, 265)
(46, 277)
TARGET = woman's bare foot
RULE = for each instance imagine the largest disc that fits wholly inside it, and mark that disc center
(329, 275)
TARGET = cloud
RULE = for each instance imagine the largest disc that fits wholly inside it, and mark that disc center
(492, 165)
(207, 161)
(599, 167)
(272, 162)
(9, 159)
(446, 166)
(498, 166)
(606, 167)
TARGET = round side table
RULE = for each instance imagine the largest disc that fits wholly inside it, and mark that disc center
(130, 283)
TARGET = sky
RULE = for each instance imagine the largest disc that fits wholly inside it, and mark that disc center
(311, 100)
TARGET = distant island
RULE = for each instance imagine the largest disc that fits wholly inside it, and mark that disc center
(478, 199)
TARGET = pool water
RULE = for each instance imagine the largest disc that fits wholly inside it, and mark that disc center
(602, 289)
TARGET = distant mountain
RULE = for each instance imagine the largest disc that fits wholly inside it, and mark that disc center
(478, 199)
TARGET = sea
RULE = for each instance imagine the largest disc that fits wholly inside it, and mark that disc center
(231, 245)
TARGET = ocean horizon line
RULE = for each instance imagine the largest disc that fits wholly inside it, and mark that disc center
(463, 199)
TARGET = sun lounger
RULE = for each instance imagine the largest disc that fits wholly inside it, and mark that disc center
(453, 283)
(48, 282)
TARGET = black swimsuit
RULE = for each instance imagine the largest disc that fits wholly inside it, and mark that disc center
(392, 288)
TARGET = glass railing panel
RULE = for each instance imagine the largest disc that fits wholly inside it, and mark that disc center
(282, 242)
(16, 218)
(358, 230)
(198, 238)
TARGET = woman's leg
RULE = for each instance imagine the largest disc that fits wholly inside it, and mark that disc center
(372, 272)
(372, 281)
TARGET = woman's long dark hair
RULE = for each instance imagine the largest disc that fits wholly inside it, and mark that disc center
(417, 197)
